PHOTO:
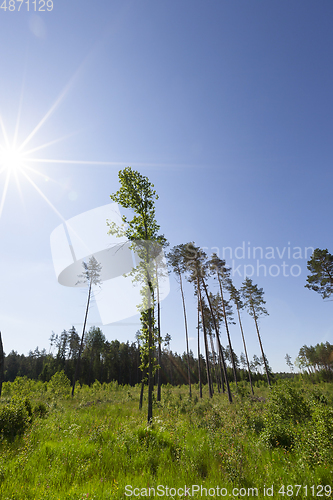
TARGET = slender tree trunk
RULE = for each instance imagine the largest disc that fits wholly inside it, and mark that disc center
(150, 369)
(209, 380)
(214, 363)
(159, 336)
(247, 359)
(141, 392)
(81, 345)
(150, 351)
(219, 343)
(186, 333)
(221, 367)
(262, 350)
(227, 330)
(199, 363)
(159, 354)
(2, 364)
(150, 335)
(138, 364)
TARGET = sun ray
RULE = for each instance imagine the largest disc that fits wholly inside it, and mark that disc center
(4, 133)
(49, 143)
(4, 193)
(45, 198)
(19, 187)
(55, 104)
(20, 106)
(43, 175)
(46, 116)
(111, 163)
(76, 162)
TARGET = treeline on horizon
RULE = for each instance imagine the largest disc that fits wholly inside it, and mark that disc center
(114, 361)
(108, 361)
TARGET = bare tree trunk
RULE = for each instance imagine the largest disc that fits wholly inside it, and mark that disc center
(262, 350)
(81, 345)
(209, 380)
(221, 367)
(150, 368)
(186, 333)
(247, 359)
(159, 353)
(219, 343)
(199, 363)
(227, 330)
(214, 363)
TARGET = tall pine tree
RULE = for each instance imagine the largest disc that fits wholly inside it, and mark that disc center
(254, 302)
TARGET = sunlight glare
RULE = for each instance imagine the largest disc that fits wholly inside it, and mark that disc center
(11, 158)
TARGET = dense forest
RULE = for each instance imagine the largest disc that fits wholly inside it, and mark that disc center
(112, 361)
(120, 362)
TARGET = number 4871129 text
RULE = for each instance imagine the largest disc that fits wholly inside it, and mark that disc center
(33, 5)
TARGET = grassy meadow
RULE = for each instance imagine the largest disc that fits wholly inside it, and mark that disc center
(98, 444)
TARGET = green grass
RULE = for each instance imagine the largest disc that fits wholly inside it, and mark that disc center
(99, 442)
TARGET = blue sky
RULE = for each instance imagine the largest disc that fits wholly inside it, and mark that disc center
(225, 105)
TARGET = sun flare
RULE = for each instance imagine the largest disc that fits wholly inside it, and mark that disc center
(11, 158)
(16, 159)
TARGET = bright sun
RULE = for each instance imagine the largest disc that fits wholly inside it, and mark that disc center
(11, 158)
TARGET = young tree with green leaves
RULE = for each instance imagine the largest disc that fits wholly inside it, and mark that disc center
(236, 298)
(321, 278)
(144, 352)
(90, 277)
(254, 302)
(137, 193)
(176, 260)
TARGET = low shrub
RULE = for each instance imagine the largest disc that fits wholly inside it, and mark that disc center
(40, 410)
(286, 408)
(15, 417)
(59, 385)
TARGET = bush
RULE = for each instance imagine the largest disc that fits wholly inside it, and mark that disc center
(288, 404)
(315, 445)
(15, 416)
(286, 408)
(21, 386)
(278, 433)
(40, 410)
(59, 385)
